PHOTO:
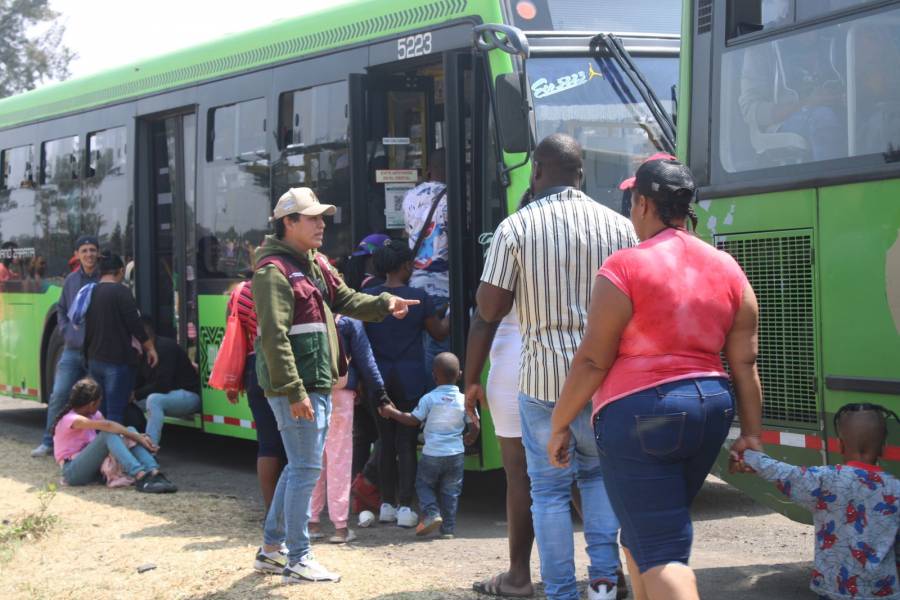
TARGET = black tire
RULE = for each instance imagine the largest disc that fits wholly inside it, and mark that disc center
(55, 347)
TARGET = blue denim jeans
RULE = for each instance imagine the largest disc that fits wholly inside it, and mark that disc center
(432, 346)
(85, 467)
(439, 482)
(551, 495)
(69, 369)
(656, 449)
(117, 382)
(177, 403)
(288, 517)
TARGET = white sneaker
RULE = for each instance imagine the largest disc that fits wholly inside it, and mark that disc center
(601, 590)
(270, 562)
(307, 569)
(406, 517)
(387, 514)
(42, 450)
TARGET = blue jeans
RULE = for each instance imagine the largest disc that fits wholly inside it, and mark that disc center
(69, 369)
(432, 346)
(85, 467)
(439, 483)
(656, 449)
(117, 382)
(288, 517)
(179, 403)
(821, 127)
(551, 495)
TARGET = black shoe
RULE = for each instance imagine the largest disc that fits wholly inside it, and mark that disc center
(170, 487)
(148, 485)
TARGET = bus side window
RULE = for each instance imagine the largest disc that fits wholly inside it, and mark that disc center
(233, 212)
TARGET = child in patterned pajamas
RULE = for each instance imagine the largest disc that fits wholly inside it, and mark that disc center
(854, 507)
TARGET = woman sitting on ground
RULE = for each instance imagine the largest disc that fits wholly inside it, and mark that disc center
(80, 450)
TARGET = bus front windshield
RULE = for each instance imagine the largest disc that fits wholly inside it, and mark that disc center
(594, 102)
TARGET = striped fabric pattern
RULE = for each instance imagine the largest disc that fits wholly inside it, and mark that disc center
(548, 254)
(246, 311)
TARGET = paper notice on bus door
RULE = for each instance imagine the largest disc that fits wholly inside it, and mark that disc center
(393, 204)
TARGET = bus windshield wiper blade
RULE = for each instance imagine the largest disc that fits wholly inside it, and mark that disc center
(618, 53)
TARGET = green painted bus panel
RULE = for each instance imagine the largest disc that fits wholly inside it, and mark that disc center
(859, 269)
(279, 42)
(235, 418)
(22, 318)
(761, 490)
(765, 212)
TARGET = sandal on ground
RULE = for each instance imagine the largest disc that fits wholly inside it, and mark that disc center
(340, 539)
(493, 586)
(315, 535)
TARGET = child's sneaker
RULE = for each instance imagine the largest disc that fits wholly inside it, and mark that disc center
(429, 525)
(307, 569)
(406, 517)
(387, 514)
(270, 562)
(448, 536)
(601, 589)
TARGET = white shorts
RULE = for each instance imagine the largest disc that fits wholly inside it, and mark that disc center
(503, 393)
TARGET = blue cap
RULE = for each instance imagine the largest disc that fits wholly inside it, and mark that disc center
(370, 243)
(87, 239)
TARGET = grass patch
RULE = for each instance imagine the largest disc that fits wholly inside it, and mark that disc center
(31, 527)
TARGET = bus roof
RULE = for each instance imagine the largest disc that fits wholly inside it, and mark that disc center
(277, 42)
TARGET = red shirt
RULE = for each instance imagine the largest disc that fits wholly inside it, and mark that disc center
(684, 296)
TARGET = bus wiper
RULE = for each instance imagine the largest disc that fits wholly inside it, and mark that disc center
(616, 50)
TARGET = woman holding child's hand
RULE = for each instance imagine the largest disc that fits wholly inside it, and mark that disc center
(660, 316)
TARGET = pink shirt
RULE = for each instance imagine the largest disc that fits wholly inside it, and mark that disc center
(684, 295)
(67, 442)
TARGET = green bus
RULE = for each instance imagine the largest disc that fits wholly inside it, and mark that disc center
(791, 123)
(175, 162)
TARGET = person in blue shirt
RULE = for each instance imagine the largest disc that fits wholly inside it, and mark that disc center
(855, 507)
(440, 477)
(70, 367)
(398, 350)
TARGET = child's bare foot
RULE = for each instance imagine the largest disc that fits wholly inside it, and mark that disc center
(342, 536)
(315, 531)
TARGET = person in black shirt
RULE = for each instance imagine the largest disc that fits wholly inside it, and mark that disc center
(172, 387)
(114, 337)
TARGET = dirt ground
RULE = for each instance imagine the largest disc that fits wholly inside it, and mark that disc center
(203, 538)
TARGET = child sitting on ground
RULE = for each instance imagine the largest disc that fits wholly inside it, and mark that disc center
(854, 507)
(80, 450)
(440, 473)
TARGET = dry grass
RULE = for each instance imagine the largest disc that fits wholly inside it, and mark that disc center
(202, 546)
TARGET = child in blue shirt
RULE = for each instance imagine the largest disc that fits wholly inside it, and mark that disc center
(440, 472)
(854, 507)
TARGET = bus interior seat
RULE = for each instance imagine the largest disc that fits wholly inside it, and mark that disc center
(868, 118)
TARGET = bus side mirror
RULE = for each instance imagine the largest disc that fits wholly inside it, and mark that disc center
(512, 114)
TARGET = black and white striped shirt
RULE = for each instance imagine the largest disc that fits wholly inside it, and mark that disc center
(548, 254)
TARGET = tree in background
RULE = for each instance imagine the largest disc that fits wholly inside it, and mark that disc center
(31, 48)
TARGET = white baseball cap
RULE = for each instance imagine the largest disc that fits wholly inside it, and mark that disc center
(301, 201)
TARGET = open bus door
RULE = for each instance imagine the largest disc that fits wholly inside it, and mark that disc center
(400, 113)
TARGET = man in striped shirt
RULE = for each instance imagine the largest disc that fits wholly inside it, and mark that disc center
(545, 258)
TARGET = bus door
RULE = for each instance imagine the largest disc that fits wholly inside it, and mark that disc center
(165, 272)
(397, 121)
(399, 116)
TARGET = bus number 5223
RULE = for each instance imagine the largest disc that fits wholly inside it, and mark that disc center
(414, 45)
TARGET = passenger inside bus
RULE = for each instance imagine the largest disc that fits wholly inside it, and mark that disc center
(822, 93)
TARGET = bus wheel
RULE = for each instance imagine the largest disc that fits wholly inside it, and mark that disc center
(55, 347)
